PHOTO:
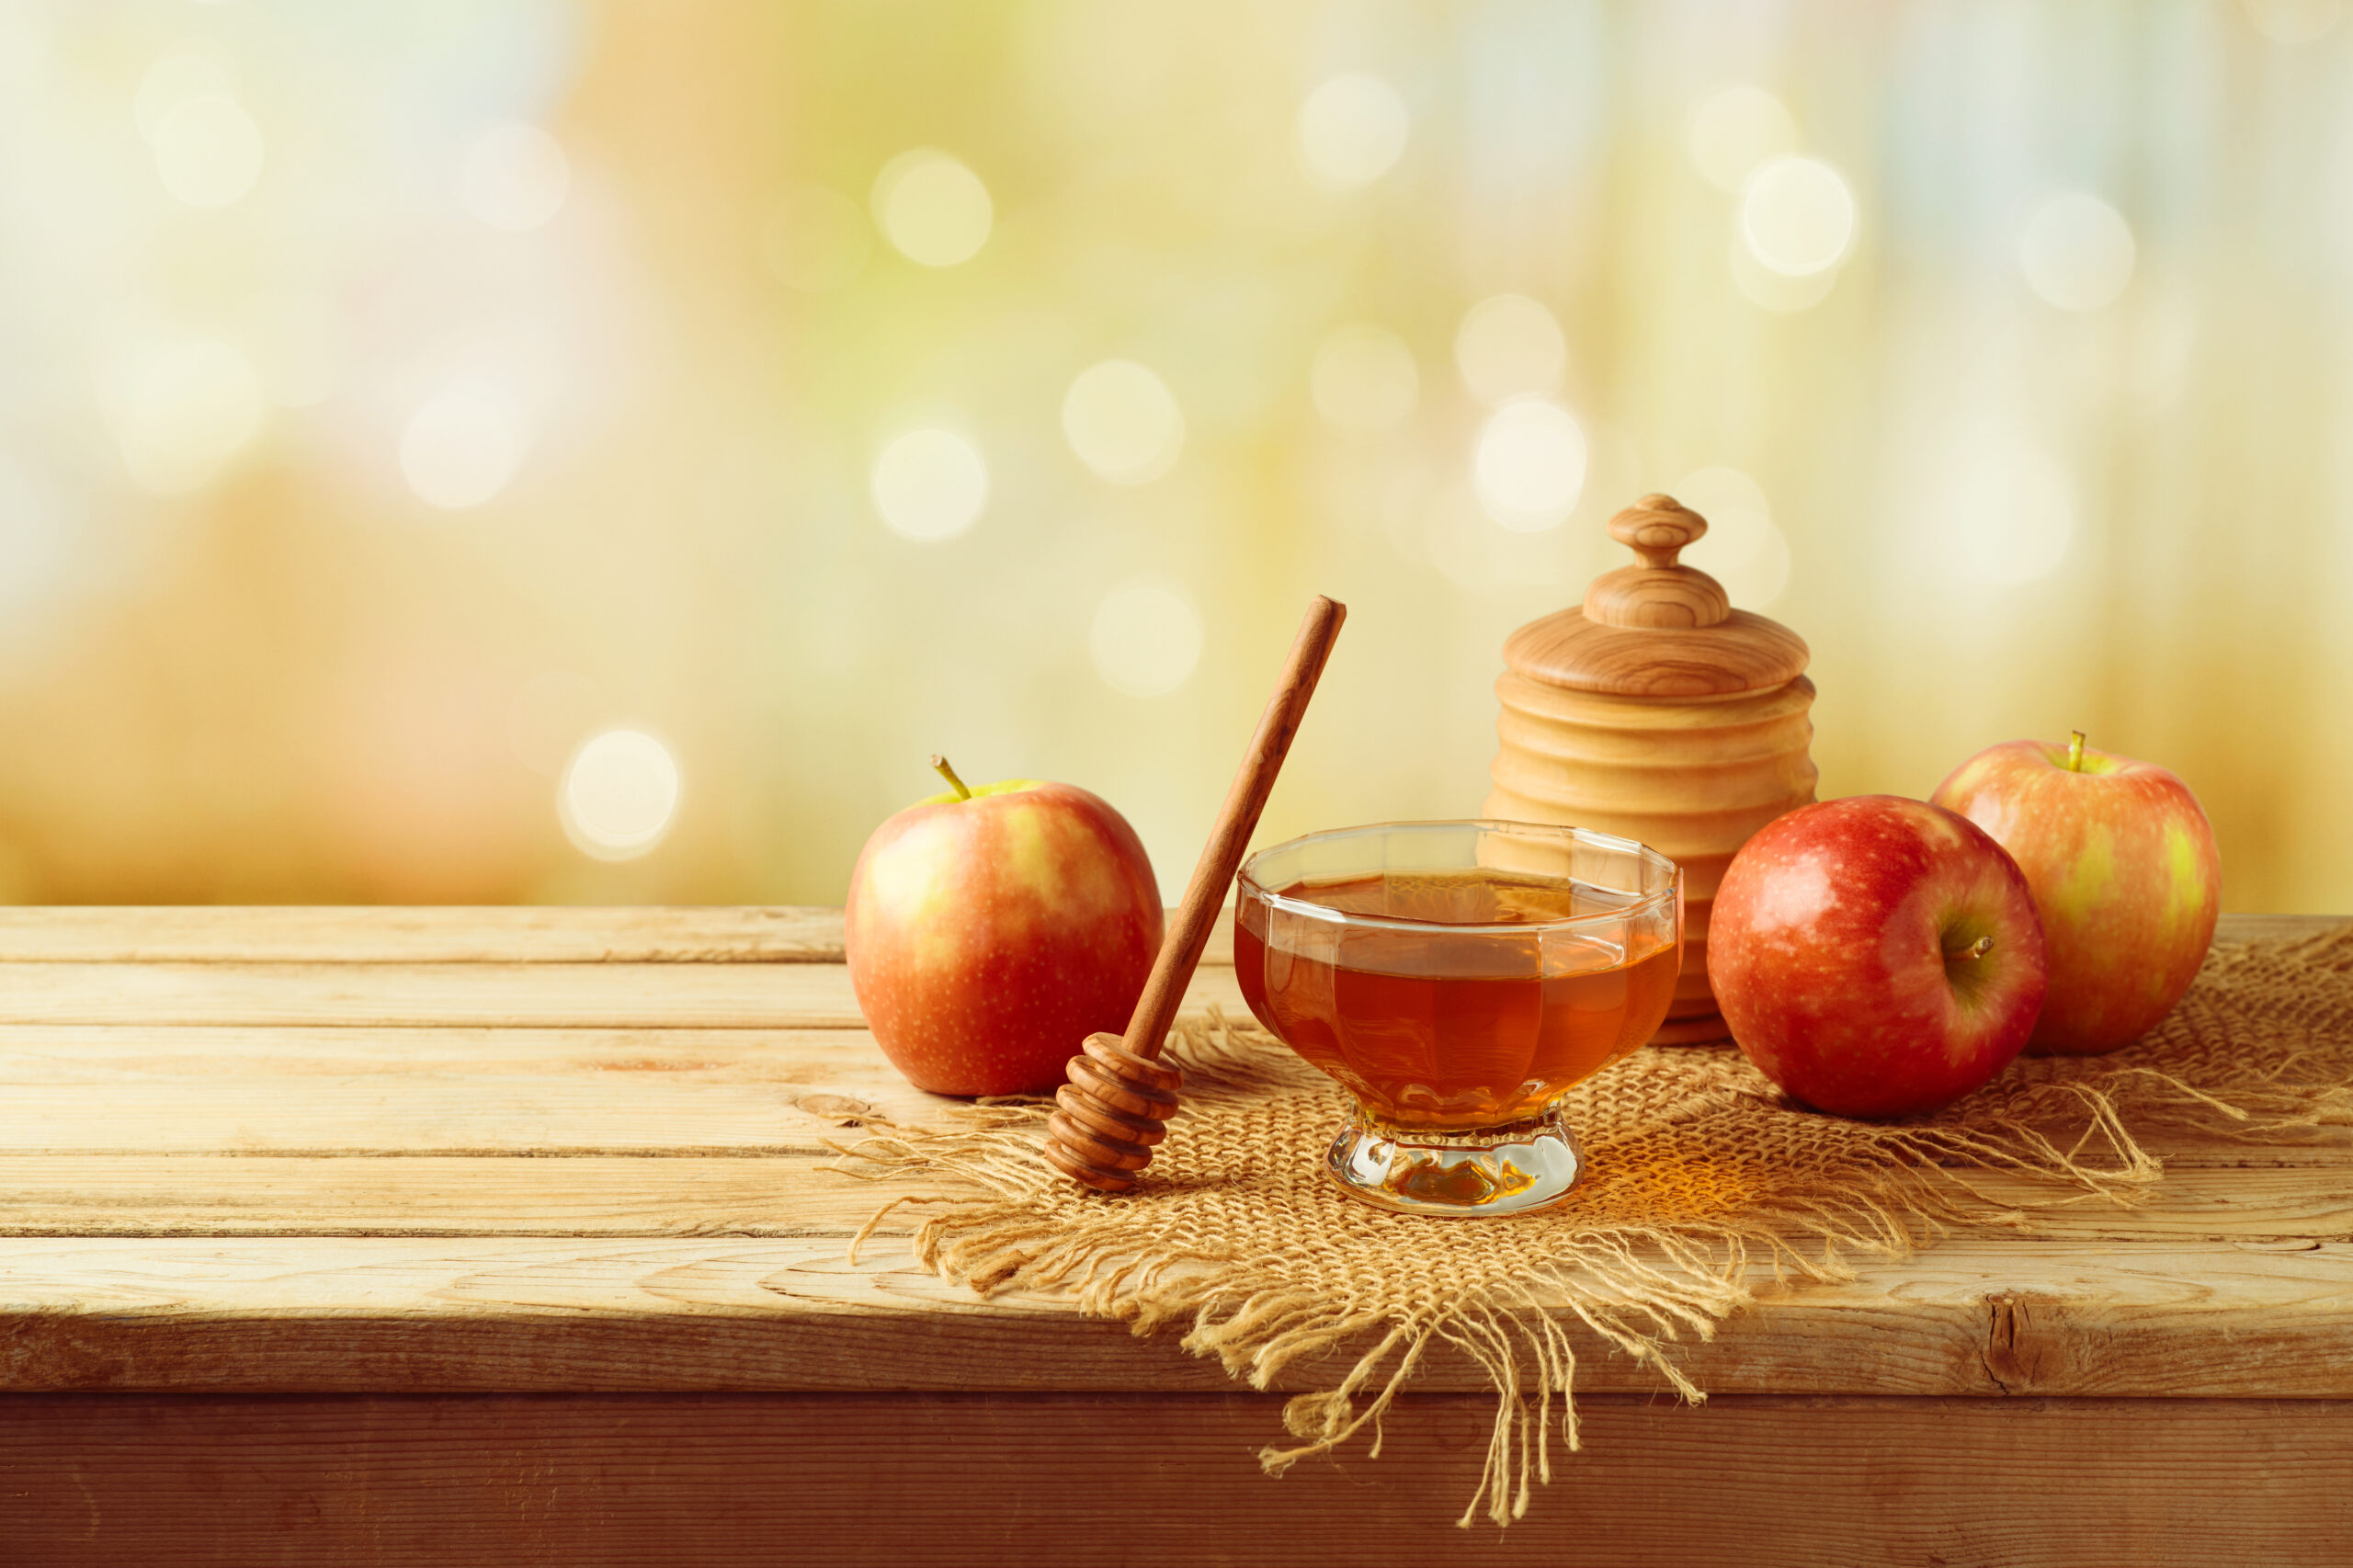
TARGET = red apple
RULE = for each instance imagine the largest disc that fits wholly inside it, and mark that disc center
(992, 930)
(1876, 956)
(2123, 864)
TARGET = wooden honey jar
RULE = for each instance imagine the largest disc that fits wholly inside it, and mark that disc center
(1656, 711)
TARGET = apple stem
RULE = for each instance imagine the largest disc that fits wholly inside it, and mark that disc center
(1976, 949)
(949, 773)
(2076, 751)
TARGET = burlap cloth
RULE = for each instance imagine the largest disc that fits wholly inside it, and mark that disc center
(1701, 1181)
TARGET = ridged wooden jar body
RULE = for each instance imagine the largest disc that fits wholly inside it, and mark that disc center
(1691, 777)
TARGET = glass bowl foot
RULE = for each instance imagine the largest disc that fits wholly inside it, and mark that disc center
(1496, 1170)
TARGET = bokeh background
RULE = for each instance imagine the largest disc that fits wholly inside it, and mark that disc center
(541, 449)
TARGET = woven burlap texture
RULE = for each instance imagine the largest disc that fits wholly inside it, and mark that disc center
(1702, 1182)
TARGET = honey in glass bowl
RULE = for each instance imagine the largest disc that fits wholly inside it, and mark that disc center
(1458, 979)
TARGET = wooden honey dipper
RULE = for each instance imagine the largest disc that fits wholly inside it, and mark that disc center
(1120, 1095)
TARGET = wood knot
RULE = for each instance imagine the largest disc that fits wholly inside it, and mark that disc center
(1109, 1117)
(1660, 593)
(2025, 1348)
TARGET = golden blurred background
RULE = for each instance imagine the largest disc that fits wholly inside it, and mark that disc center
(539, 451)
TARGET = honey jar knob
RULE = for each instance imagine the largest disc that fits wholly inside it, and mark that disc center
(1661, 593)
(1657, 528)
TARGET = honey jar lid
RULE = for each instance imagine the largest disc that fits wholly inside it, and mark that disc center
(1658, 629)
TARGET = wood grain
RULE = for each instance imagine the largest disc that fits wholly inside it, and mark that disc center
(419, 934)
(1115, 1107)
(986, 1479)
(485, 1236)
(775, 1177)
(295, 934)
(1207, 894)
(1656, 711)
(662, 1096)
(1657, 592)
(142, 1088)
(1692, 779)
(426, 934)
(215, 1314)
(1745, 651)
(389, 1116)
(118, 1053)
(488, 994)
(2249, 928)
(1657, 629)
(572, 1176)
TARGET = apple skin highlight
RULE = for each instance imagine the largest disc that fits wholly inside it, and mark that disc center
(1876, 957)
(988, 937)
(2125, 875)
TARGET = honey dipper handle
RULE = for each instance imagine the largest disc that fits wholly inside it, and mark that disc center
(1180, 951)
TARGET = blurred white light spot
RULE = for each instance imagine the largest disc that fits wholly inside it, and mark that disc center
(2003, 511)
(2294, 21)
(463, 447)
(1146, 639)
(1351, 131)
(619, 795)
(930, 484)
(549, 714)
(515, 178)
(1123, 422)
(2077, 252)
(1797, 215)
(1734, 130)
(1742, 549)
(1777, 291)
(207, 152)
(1509, 346)
(180, 411)
(1363, 380)
(1529, 468)
(816, 240)
(175, 80)
(934, 208)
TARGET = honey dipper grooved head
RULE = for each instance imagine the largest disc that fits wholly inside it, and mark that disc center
(1115, 1107)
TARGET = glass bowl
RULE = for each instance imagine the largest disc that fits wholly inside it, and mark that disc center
(1457, 978)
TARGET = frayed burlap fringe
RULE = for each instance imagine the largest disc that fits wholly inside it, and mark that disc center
(1700, 1180)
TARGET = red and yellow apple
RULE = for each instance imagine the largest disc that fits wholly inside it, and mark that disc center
(990, 931)
(1875, 956)
(2123, 864)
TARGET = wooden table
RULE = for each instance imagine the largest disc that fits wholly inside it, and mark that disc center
(356, 1236)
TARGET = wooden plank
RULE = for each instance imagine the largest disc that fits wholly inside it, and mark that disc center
(664, 991)
(57, 1195)
(118, 1088)
(120, 1053)
(200, 1081)
(409, 934)
(949, 1481)
(527, 934)
(2252, 927)
(776, 1179)
(502, 996)
(390, 1115)
(210, 1314)
(421, 933)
